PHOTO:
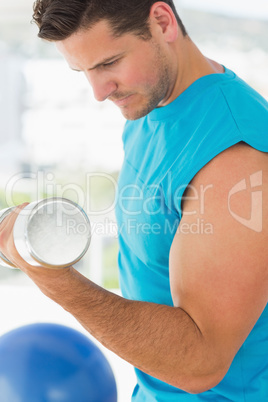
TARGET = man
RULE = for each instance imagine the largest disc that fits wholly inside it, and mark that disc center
(192, 206)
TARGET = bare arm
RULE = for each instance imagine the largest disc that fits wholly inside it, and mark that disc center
(192, 344)
(147, 335)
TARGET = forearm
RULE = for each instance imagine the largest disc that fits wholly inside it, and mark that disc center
(160, 340)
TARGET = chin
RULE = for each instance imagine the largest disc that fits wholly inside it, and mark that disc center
(136, 114)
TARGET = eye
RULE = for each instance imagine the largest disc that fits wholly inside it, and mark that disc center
(111, 63)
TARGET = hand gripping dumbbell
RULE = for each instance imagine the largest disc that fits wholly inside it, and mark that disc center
(54, 232)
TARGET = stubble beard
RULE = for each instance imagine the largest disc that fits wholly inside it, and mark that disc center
(153, 95)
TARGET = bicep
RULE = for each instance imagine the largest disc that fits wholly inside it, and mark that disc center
(218, 265)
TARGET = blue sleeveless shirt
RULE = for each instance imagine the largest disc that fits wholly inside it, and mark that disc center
(163, 152)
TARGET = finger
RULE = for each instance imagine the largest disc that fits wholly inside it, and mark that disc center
(7, 245)
(12, 212)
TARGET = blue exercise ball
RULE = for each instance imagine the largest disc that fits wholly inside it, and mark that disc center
(53, 363)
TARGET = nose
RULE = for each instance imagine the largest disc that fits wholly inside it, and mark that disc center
(102, 86)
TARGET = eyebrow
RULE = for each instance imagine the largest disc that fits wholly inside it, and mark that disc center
(101, 63)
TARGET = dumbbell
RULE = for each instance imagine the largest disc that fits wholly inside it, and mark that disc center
(54, 232)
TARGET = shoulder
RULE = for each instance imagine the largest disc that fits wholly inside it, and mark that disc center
(249, 111)
(239, 166)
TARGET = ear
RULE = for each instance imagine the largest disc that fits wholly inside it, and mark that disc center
(163, 17)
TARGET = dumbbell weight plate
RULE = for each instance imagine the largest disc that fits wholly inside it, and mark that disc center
(54, 232)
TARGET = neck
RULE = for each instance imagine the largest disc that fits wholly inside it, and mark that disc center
(191, 65)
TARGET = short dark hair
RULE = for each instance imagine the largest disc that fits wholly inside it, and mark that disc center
(59, 19)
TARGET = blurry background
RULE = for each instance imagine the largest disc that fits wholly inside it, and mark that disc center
(56, 140)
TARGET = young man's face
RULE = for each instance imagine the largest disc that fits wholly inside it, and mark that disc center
(133, 73)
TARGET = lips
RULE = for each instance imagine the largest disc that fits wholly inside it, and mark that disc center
(123, 101)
